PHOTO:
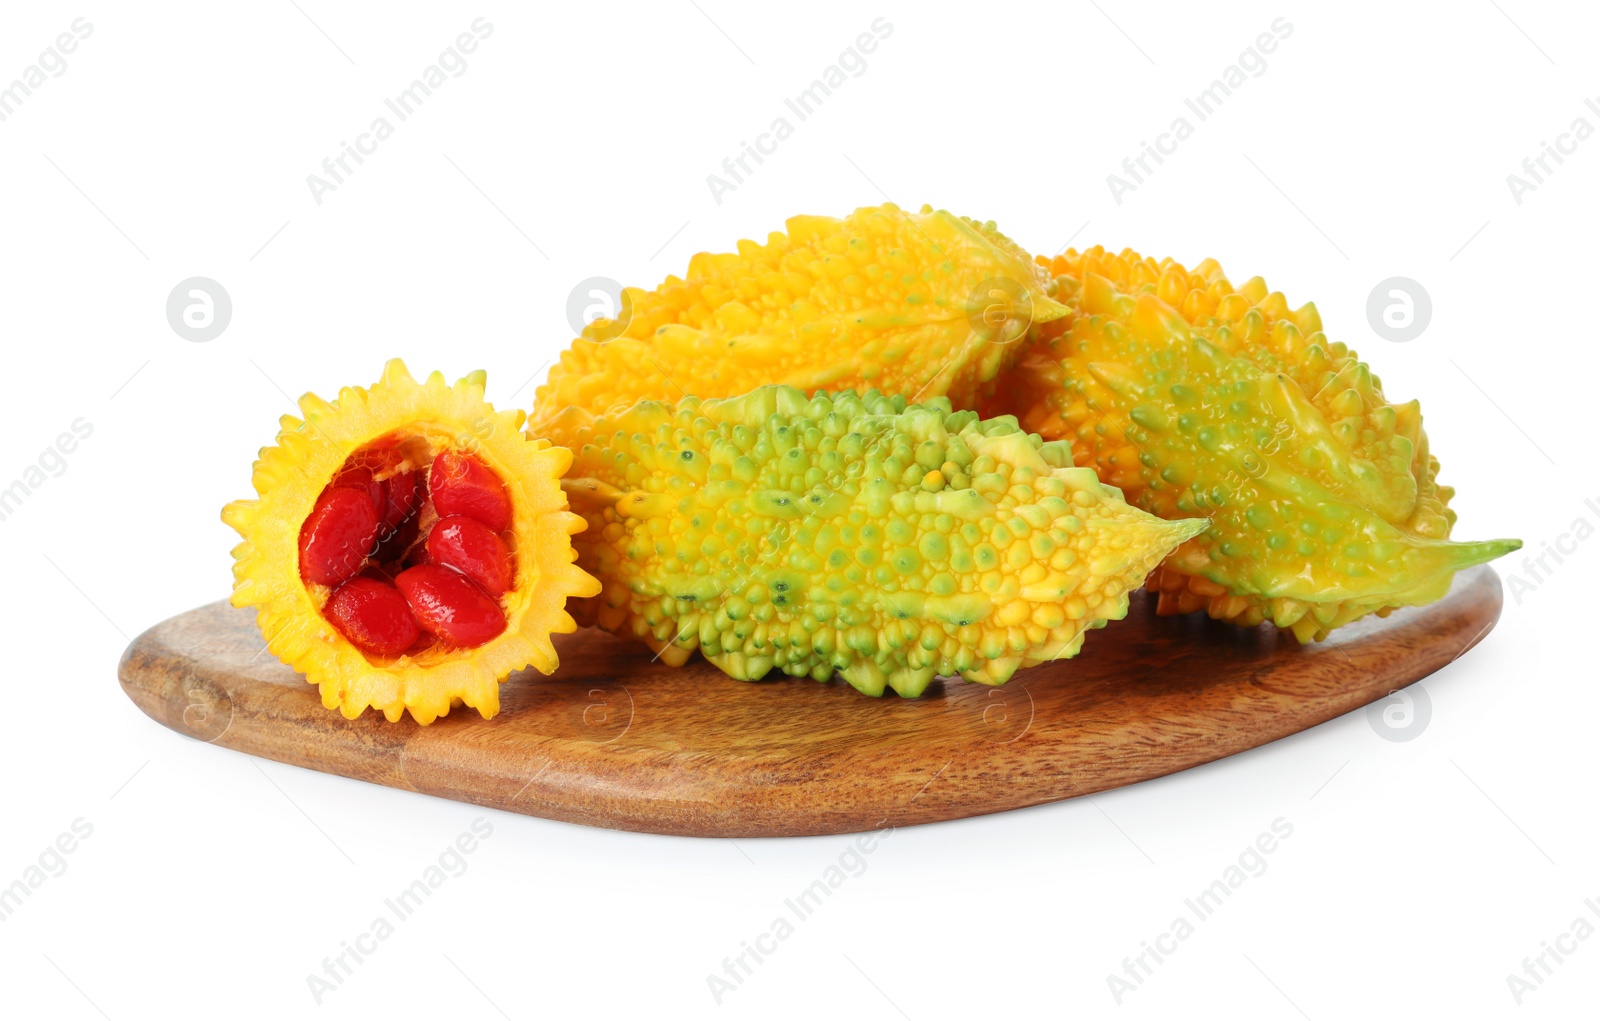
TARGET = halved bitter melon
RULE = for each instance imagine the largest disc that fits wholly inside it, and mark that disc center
(922, 305)
(859, 534)
(409, 548)
(1196, 397)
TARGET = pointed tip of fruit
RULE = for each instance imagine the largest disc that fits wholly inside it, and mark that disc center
(1185, 529)
(1046, 309)
(1469, 554)
(1160, 537)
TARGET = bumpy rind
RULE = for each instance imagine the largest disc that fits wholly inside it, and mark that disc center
(310, 450)
(1196, 397)
(919, 304)
(857, 534)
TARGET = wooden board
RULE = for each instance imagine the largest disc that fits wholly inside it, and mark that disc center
(617, 740)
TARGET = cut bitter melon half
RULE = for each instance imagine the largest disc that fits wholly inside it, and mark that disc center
(1196, 397)
(923, 304)
(859, 534)
(410, 547)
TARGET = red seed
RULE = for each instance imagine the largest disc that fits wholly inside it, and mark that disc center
(462, 484)
(471, 548)
(447, 603)
(402, 496)
(373, 615)
(359, 478)
(336, 537)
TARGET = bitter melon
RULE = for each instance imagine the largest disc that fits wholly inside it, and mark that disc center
(859, 534)
(919, 304)
(1195, 397)
(410, 547)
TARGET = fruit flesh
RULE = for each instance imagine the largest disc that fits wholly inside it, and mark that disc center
(852, 534)
(1194, 397)
(904, 303)
(352, 539)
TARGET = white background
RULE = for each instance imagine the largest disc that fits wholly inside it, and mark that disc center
(1376, 143)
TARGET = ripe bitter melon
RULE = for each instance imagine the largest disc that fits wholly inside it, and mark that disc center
(859, 534)
(922, 304)
(1198, 398)
(410, 547)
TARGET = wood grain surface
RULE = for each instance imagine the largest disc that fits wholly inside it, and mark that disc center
(617, 740)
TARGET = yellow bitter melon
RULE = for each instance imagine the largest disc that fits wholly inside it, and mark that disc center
(1195, 397)
(859, 534)
(918, 304)
(389, 434)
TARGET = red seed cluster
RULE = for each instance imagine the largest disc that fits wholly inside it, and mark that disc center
(414, 556)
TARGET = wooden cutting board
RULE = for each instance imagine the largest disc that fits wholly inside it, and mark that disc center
(617, 740)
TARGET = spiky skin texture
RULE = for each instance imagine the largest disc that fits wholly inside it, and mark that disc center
(903, 303)
(888, 542)
(1196, 398)
(432, 416)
